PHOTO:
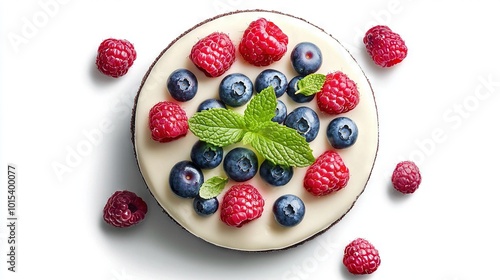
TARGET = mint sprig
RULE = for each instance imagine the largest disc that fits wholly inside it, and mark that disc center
(212, 187)
(311, 84)
(277, 143)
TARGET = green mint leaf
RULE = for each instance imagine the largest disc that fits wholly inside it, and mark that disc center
(248, 138)
(275, 142)
(212, 187)
(261, 108)
(282, 145)
(218, 126)
(311, 84)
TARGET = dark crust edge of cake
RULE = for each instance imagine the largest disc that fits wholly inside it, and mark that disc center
(146, 75)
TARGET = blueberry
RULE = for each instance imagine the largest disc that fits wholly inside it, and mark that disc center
(281, 111)
(205, 207)
(305, 121)
(240, 164)
(342, 132)
(289, 210)
(185, 179)
(182, 85)
(205, 155)
(271, 77)
(293, 88)
(306, 58)
(275, 175)
(209, 104)
(235, 89)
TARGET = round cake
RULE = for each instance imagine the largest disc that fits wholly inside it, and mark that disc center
(156, 159)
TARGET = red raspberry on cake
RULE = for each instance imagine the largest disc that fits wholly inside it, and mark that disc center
(241, 204)
(327, 174)
(263, 43)
(167, 121)
(361, 257)
(406, 177)
(213, 54)
(385, 46)
(339, 94)
(124, 209)
(115, 57)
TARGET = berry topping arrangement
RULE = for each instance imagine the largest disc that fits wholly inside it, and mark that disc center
(247, 128)
(237, 162)
(265, 130)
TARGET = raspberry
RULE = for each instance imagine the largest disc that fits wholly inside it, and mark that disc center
(115, 57)
(326, 175)
(167, 121)
(339, 94)
(124, 209)
(241, 204)
(213, 54)
(263, 43)
(361, 257)
(386, 47)
(406, 177)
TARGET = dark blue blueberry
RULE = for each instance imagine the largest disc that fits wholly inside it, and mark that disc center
(205, 155)
(305, 121)
(186, 179)
(281, 111)
(342, 132)
(209, 104)
(306, 58)
(241, 164)
(205, 207)
(293, 88)
(275, 175)
(271, 77)
(289, 210)
(235, 89)
(182, 85)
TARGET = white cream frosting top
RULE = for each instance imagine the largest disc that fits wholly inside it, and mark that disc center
(156, 159)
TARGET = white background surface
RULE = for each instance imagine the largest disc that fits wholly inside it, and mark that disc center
(438, 108)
